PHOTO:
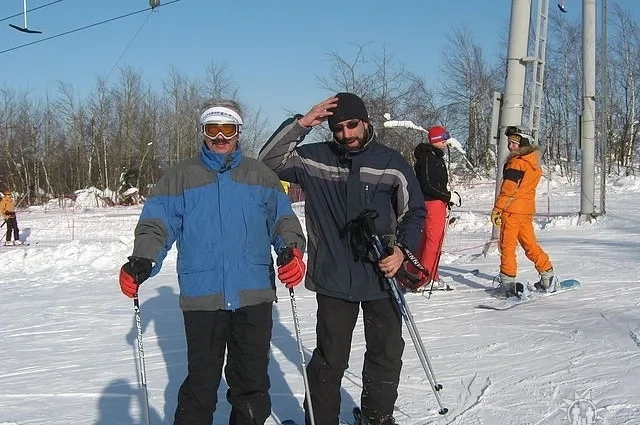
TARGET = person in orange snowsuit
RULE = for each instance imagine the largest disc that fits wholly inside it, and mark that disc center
(8, 213)
(514, 209)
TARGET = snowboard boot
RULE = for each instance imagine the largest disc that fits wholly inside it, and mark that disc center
(547, 281)
(506, 286)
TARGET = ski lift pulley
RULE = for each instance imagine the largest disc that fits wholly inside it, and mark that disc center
(154, 3)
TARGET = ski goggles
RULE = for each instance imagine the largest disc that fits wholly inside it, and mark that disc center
(514, 138)
(443, 137)
(228, 131)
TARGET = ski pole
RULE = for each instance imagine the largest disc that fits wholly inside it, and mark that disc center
(411, 327)
(143, 372)
(305, 378)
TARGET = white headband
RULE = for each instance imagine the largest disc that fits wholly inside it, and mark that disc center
(220, 115)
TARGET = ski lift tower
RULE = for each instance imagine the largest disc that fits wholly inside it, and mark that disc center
(537, 71)
(588, 119)
(513, 97)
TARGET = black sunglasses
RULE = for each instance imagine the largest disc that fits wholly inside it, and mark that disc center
(350, 125)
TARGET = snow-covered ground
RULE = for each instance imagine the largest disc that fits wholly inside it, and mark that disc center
(67, 346)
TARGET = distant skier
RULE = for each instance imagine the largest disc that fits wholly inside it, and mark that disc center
(8, 212)
(514, 209)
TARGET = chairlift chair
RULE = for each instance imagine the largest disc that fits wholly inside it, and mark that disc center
(25, 28)
(561, 6)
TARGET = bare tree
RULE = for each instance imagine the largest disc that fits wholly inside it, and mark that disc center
(625, 75)
(180, 107)
(468, 84)
(563, 91)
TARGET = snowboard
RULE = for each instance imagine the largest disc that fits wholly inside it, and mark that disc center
(564, 286)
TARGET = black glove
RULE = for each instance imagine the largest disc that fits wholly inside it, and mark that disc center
(133, 273)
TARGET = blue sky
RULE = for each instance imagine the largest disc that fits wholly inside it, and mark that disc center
(273, 50)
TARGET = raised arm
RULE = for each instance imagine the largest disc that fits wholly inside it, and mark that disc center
(279, 152)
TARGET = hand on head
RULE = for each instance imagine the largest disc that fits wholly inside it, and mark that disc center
(319, 113)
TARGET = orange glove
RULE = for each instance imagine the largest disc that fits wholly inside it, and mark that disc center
(291, 268)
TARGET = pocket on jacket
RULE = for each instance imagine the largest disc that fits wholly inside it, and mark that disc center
(257, 242)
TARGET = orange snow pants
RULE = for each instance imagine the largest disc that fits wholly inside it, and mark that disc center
(518, 228)
(432, 234)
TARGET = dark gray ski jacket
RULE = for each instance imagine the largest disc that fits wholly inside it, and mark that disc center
(338, 186)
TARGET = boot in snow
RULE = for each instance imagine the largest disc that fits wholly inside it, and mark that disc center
(506, 286)
(547, 281)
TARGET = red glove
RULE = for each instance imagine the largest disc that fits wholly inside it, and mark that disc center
(133, 273)
(411, 280)
(291, 268)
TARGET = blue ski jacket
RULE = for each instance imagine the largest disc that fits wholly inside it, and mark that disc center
(224, 213)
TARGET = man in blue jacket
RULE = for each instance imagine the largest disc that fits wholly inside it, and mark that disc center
(341, 179)
(224, 211)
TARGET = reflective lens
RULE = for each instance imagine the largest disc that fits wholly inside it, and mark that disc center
(350, 125)
(212, 130)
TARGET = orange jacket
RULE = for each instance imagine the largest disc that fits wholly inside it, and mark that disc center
(520, 177)
(7, 208)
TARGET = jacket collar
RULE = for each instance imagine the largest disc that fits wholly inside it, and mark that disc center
(349, 153)
(220, 163)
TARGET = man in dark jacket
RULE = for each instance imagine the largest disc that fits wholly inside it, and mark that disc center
(342, 178)
(224, 211)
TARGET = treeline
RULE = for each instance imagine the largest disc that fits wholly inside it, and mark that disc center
(125, 133)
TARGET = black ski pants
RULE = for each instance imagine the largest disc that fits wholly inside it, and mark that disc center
(12, 227)
(246, 334)
(336, 320)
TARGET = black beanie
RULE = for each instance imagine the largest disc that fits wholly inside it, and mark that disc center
(349, 107)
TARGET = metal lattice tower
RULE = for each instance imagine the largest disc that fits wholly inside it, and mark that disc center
(537, 72)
